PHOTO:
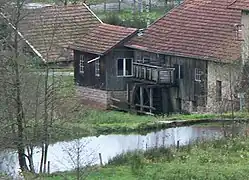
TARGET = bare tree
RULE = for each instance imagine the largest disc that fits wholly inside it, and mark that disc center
(28, 97)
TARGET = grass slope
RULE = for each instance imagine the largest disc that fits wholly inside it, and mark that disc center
(216, 160)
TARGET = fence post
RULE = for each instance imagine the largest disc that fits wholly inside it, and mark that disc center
(100, 159)
(104, 6)
(48, 167)
(119, 5)
(178, 145)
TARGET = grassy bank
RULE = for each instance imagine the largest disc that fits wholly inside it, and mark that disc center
(103, 122)
(220, 159)
(75, 120)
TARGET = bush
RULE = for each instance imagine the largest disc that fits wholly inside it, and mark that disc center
(129, 19)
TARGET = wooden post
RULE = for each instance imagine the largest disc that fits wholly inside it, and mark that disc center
(119, 5)
(48, 167)
(151, 99)
(178, 145)
(134, 6)
(128, 94)
(100, 159)
(141, 98)
(104, 6)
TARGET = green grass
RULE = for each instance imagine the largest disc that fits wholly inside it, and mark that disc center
(225, 159)
(90, 122)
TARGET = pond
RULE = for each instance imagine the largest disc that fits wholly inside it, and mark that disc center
(62, 154)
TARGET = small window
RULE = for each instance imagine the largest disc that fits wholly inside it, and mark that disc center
(128, 67)
(238, 31)
(120, 67)
(218, 91)
(82, 64)
(198, 74)
(97, 68)
(124, 67)
(178, 71)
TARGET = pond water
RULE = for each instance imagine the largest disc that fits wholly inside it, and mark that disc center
(62, 154)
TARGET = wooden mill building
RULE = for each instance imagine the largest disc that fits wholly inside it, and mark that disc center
(187, 61)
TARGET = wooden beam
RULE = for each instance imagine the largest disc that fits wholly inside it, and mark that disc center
(92, 60)
(151, 99)
(144, 106)
(128, 92)
(147, 113)
(114, 99)
(141, 98)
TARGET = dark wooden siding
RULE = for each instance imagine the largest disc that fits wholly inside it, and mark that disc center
(188, 89)
(88, 78)
(113, 81)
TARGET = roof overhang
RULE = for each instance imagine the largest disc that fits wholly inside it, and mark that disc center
(213, 59)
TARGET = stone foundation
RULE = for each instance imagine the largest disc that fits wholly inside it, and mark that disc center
(97, 98)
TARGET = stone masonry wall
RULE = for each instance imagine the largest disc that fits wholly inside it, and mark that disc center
(228, 74)
(97, 98)
(93, 97)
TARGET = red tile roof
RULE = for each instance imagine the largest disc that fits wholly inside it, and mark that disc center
(240, 4)
(102, 38)
(197, 28)
(51, 29)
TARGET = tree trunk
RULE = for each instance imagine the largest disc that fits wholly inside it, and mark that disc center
(45, 122)
(19, 112)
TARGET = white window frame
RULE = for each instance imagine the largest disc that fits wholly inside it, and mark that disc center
(198, 74)
(124, 67)
(238, 31)
(97, 68)
(81, 64)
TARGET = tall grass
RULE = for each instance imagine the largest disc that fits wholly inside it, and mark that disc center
(223, 159)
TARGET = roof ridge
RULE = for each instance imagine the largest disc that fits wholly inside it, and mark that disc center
(21, 35)
(93, 13)
(234, 1)
(118, 26)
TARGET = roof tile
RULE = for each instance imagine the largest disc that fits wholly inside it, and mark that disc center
(102, 38)
(196, 28)
(53, 28)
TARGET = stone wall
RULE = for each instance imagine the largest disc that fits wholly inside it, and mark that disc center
(228, 74)
(97, 98)
(93, 97)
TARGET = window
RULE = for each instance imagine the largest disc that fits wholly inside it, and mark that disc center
(124, 67)
(198, 74)
(238, 31)
(97, 68)
(218, 91)
(178, 71)
(82, 64)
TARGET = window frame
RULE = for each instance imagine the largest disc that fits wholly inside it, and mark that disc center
(198, 73)
(124, 67)
(82, 64)
(238, 32)
(97, 68)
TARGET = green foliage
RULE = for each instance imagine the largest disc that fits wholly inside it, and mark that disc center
(130, 19)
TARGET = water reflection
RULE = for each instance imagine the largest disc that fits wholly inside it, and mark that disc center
(62, 155)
